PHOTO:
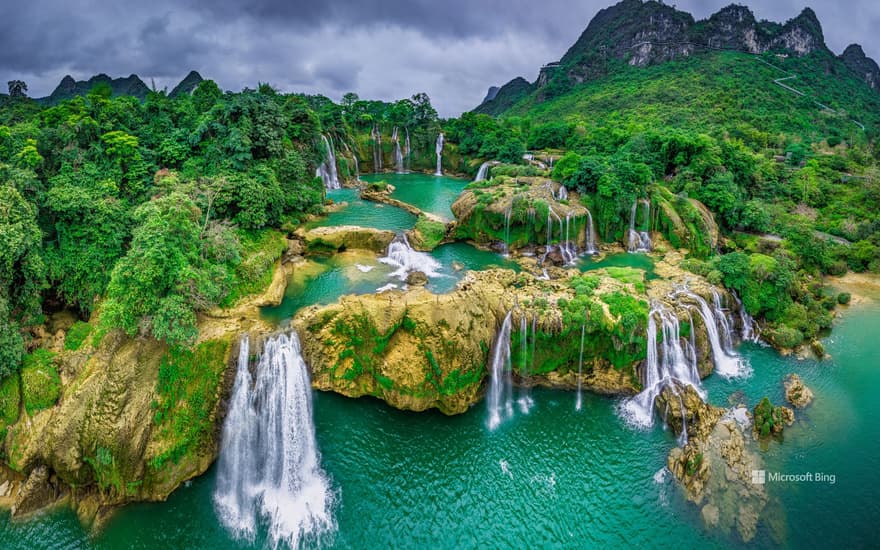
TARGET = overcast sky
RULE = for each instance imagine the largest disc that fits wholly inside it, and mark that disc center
(380, 49)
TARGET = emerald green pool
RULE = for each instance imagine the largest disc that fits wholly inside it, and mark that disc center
(364, 213)
(433, 194)
(622, 259)
(553, 478)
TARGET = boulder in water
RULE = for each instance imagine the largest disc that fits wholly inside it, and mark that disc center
(416, 278)
(684, 409)
(796, 392)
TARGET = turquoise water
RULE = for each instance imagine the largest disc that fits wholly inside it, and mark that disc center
(364, 213)
(622, 259)
(325, 280)
(434, 194)
(552, 478)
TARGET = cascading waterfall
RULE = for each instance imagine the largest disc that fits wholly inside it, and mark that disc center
(405, 259)
(357, 169)
(727, 362)
(750, 331)
(408, 151)
(725, 322)
(269, 469)
(569, 246)
(507, 215)
(561, 194)
(639, 241)
(327, 170)
(590, 235)
(665, 365)
(525, 399)
(500, 398)
(580, 397)
(438, 148)
(377, 148)
(483, 172)
(398, 154)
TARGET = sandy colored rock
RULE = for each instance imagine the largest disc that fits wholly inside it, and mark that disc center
(796, 392)
(344, 237)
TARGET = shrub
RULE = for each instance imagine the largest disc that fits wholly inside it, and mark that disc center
(844, 298)
(77, 335)
(40, 382)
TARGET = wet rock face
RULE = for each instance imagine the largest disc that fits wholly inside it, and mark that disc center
(716, 474)
(683, 408)
(796, 392)
(416, 278)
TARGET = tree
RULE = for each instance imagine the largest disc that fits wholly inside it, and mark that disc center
(164, 278)
(17, 89)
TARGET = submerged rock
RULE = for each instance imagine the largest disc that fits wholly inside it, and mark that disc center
(416, 278)
(796, 392)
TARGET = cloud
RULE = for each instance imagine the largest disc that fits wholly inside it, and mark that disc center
(380, 49)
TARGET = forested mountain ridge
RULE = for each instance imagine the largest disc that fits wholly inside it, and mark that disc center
(641, 33)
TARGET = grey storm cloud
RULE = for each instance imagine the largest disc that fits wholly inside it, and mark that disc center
(380, 49)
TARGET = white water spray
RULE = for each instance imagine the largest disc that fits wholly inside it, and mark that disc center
(500, 397)
(438, 148)
(269, 473)
(327, 170)
(639, 241)
(405, 259)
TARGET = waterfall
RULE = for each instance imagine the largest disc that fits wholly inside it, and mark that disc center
(327, 170)
(639, 241)
(483, 172)
(357, 169)
(398, 154)
(405, 259)
(269, 468)
(580, 397)
(569, 246)
(664, 365)
(377, 148)
(590, 235)
(500, 398)
(725, 322)
(727, 362)
(438, 147)
(525, 399)
(750, 331)
(507, 215)
(408, 152)
(561, 194)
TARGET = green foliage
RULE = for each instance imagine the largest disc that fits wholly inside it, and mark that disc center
(844, 298)
(10, 403)
(187, 393)
(165, 276)
(259, 252)
(768, 419)
(77, 335)
(431, 232)
(40, 382)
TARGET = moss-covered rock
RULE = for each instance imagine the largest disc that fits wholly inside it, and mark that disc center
(517, 212)
(416, 350)
(427, 234)
(329, 240)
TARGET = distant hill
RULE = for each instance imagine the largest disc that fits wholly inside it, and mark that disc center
(70, 88)
(642, 34)
(187, 85)
(131, 86)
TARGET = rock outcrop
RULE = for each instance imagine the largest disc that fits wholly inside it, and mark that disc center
(863, 66)
(339, 238)
(125, 427)
(796, 392)
(519, 212)
(417, 350)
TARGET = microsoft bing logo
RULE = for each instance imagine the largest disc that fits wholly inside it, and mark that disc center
(759, 477)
